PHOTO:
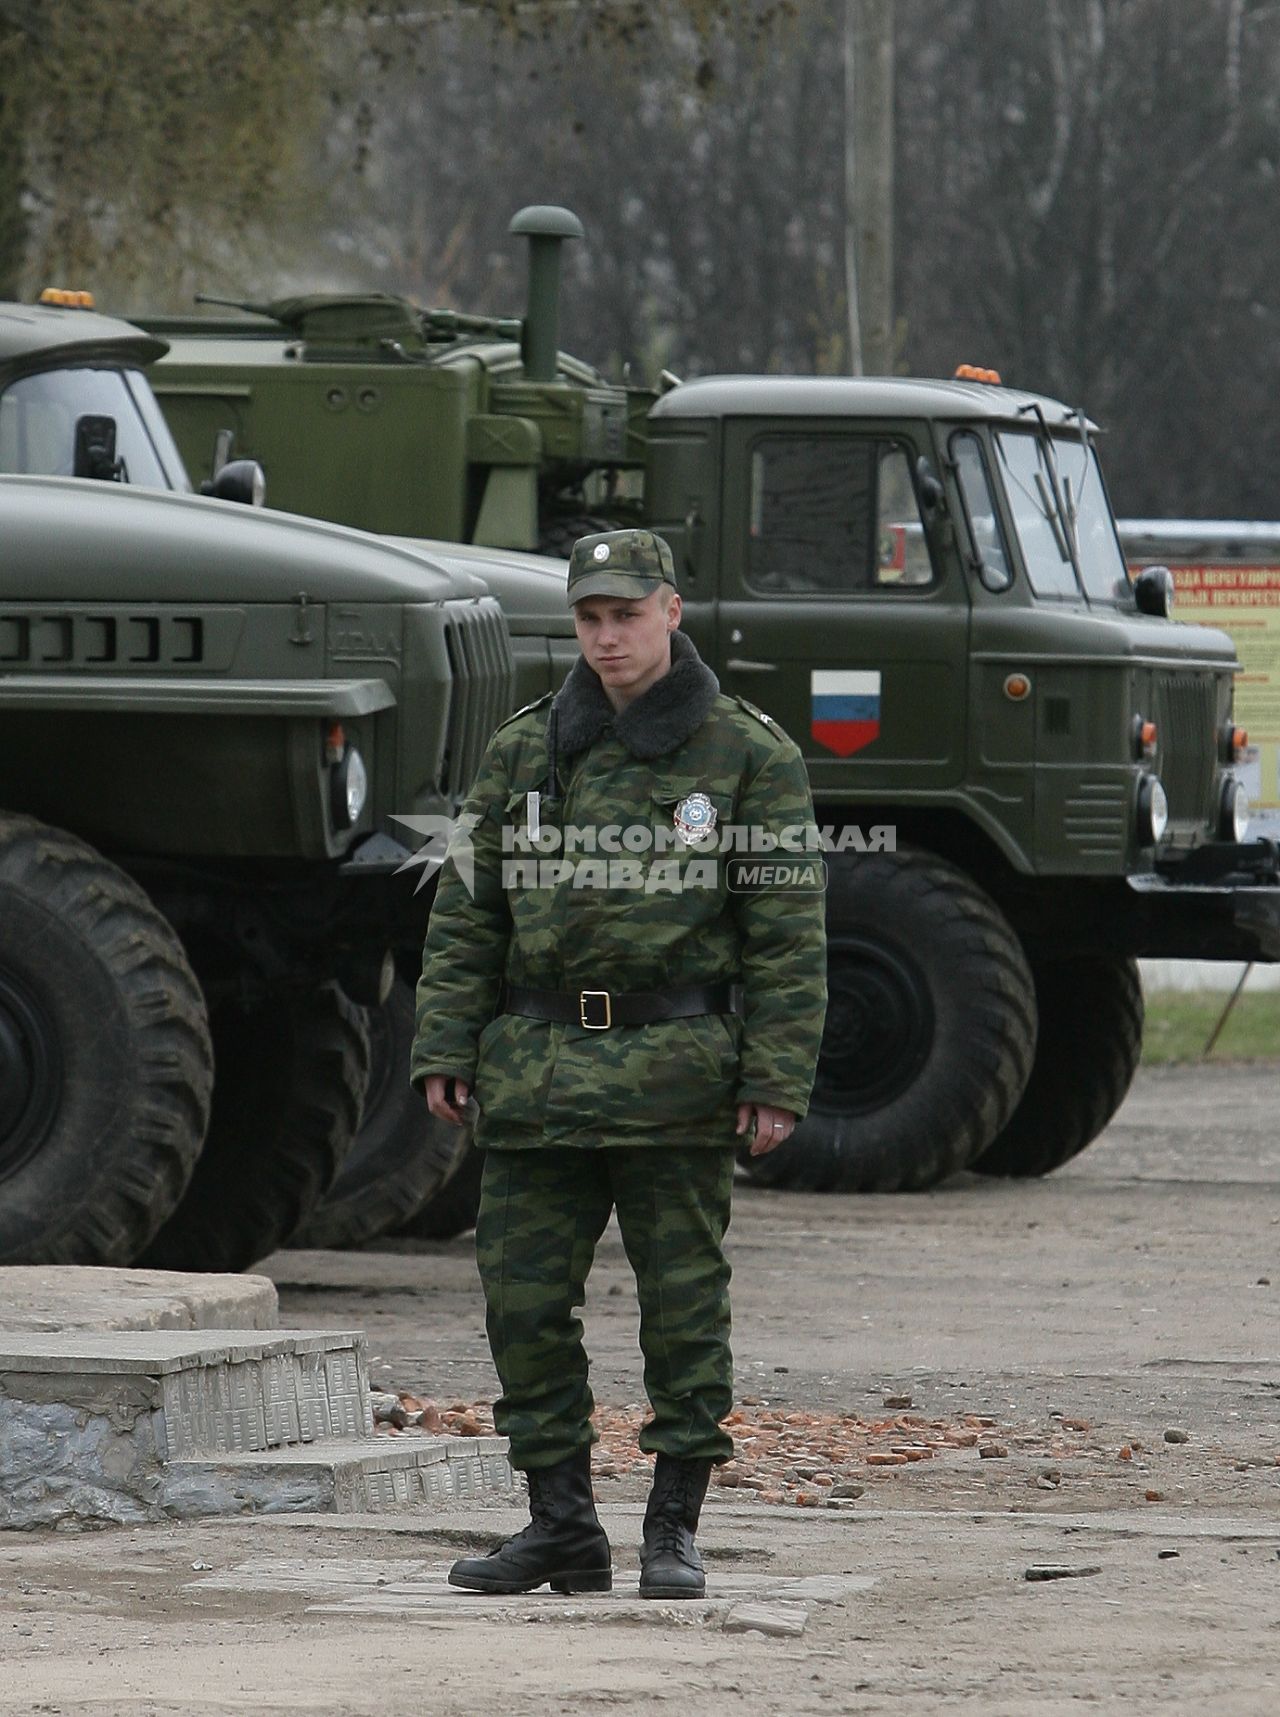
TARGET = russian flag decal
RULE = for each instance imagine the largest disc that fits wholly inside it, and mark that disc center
(844, 708)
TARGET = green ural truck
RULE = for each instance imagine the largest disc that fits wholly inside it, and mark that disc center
(213, 716)
(1025, 769)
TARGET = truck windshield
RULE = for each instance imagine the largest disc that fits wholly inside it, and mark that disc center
(1041, 532)
(1044, 526)
(39, 413)
(1102, 566)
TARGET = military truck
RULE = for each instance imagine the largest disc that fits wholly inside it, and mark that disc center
(422, 423)
(1027, 770)
(213, 717)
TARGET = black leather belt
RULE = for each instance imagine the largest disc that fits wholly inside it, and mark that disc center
(597, 1010)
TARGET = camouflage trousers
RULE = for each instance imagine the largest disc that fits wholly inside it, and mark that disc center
(542, 1213)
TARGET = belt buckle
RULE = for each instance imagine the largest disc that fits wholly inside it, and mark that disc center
(585, 997)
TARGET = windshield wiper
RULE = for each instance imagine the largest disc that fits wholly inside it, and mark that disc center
(1064, 507)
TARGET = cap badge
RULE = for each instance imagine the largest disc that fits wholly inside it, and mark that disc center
(601, 551)
(695, 818)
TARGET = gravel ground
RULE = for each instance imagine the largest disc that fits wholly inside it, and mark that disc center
(1108, 1336)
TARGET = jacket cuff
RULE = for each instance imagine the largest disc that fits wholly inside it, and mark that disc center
(796, 1103)
(466, 1074)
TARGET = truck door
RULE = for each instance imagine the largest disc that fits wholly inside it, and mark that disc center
(835, 617)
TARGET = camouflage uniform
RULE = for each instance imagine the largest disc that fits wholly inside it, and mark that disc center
(575, 1122)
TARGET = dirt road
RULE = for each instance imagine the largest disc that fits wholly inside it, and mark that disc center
(1070, 1325)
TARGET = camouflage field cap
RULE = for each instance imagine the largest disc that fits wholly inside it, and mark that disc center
(619, 563)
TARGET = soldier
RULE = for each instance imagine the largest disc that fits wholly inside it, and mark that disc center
(622, 1014)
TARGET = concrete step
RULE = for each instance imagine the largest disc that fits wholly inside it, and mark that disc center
(131, 1425)
(342, 1478)
(36, 1297)
(209, 1392)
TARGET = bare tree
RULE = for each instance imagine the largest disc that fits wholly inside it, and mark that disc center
(868, 156)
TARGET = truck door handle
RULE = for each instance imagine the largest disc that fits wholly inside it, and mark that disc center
(739, 665)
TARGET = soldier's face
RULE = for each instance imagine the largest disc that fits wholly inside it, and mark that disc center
(626, 642)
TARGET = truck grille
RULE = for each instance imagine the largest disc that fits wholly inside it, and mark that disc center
(87, 638)
(484, 678)
(1185, 713)
(1095, 818)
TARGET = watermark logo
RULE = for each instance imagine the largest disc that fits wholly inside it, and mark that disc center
(782, 874)
(442, 838)
(642, 857)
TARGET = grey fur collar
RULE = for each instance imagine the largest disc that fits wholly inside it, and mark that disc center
(657, 722)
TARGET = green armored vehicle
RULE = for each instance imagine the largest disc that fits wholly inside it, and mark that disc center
(1027, 771)
(215, 719)
(419, 423)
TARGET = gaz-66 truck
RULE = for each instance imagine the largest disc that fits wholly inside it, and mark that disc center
(212, 715)
(1025, 766)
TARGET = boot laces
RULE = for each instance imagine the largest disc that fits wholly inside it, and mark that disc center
(669, 1528)
(667, 1535)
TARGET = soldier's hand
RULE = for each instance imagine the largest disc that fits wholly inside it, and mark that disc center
(768, 1126)
(435, 1088)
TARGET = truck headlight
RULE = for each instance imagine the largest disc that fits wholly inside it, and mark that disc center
(349, 788)
(1233, 810)
(1153, 811)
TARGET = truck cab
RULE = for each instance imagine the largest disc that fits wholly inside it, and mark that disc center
(922, 582)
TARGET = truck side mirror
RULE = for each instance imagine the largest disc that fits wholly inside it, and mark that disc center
(242, 480)
(933, 503)
(933, 496)
(1153, 591)
(95, 453)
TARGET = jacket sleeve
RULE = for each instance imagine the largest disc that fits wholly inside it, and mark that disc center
(783, 944)
(465, 953)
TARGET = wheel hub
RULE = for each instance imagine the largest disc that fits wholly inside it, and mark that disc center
(879, 1027)
(30, 1075)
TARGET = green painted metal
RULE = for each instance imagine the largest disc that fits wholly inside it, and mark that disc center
(40, 335)
(180, 677)
(546, 228)
(420, 422)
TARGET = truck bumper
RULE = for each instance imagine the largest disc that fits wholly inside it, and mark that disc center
(1220, 903)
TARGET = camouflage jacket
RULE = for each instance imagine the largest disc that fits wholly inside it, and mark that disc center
(536, 913)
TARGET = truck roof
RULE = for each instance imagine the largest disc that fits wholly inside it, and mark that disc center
(229, 349)
(224, 344)
(856, 396)
(30, 331)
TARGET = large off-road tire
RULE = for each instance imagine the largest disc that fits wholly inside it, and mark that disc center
(1088, 1051)
(402, 1153)
(930, 1031)
(558, 533)
(286, 1105)
(105, 1063)
(452, 1210)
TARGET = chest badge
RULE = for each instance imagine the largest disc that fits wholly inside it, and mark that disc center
(695, 818)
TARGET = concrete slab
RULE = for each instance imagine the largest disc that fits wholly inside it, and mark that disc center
(779, 1621)
(158, 1353)
(47, 1297)
(341, 1477)
(127, 1426)
(413, 1588)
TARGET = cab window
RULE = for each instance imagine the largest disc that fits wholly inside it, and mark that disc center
(980, 508)
(39, 413)
(1041, 532)
(1106, 578)
(833, 515)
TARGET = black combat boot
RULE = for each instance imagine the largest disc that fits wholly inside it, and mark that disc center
(670, 1566)
(563, 1546)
